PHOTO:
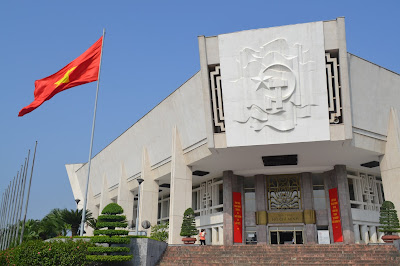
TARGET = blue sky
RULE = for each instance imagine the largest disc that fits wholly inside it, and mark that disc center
(150, 49)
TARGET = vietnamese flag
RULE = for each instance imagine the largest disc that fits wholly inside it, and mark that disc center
(82, 70)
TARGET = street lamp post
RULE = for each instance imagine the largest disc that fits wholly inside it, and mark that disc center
(139, 180)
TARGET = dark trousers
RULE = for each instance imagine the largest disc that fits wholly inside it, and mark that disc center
(202, 242)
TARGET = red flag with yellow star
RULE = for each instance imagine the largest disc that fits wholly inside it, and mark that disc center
(82, 70)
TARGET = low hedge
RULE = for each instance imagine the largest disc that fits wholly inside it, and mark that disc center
(108, 249)
(112, 240)
(110, 232)
(111, 218)
(69, 237)
(131, 236)
(38, 252)
(115, 258)
(111, 224)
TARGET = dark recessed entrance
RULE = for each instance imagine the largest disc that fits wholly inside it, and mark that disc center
(284, 236)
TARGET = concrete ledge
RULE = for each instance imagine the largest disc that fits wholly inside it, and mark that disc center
(145, 251)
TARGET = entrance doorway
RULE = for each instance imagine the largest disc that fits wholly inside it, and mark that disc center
(286, 235)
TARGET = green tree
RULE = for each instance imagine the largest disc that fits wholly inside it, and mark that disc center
(73, 218)
(160, 232)
(188, 227)
(109, 219)
(31, 230)
(52, 225)
(388, 218)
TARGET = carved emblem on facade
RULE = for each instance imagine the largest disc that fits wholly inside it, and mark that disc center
(283, 192)
(278, 80)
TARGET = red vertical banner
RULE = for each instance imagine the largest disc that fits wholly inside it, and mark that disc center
(335, 215)
(237, 217)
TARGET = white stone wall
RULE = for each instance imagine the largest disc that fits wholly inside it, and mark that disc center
(374, 90)
(183, 108)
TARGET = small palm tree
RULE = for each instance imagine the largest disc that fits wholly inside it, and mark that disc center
(74, 218)
(52, 225)
(31, 230)
(92, 222)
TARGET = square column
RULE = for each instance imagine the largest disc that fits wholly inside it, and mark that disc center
(364, 234)
(228, 208)
(390, 161)
(261, 205)
(105, 197)
(148, 203)
(337, 178)
(231, 183)
(310, 230)
(372, 234)
(344, 204)
(125, 196)
(357, 238)
(180, 191)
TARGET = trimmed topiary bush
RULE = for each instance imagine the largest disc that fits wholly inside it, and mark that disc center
(188, 227)
(388, 219)
(107, 222)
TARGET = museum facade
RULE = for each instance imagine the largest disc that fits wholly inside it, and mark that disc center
(281, 137)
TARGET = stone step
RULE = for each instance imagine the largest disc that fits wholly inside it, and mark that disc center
(278, 255)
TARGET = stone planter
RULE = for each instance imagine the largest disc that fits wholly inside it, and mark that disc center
(390, 238)
(189, 240)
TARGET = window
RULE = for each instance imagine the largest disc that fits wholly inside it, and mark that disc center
(208, 197)
(249, 194)
(163, 209)
(319, 197)
(365, 190)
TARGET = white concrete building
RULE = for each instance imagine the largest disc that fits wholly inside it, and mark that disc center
(281, 136)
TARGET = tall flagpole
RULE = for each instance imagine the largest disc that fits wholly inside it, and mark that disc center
(20, 202)
(27, 195)
(17, 201)
(22, 198)
(4, 215)
(91, 140)
(1, 214)
(10, 210)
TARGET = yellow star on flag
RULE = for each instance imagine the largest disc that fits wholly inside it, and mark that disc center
(65, 79)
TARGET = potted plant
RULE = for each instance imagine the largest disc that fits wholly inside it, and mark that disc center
(188, 228)
(389, 222)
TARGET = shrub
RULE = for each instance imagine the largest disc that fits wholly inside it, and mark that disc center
(188, 228)
(114, 258)
(111, 225)
(108, 249)
(388, 218)
(38, 252)
(110, 240)
(112, 208)
(110, 232)
(159, 232)
(116, 218)
(110, 219)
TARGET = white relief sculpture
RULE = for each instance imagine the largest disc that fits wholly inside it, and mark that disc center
(277, 83)
(274, 85)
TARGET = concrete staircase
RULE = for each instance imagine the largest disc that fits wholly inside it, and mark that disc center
(282, 254)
